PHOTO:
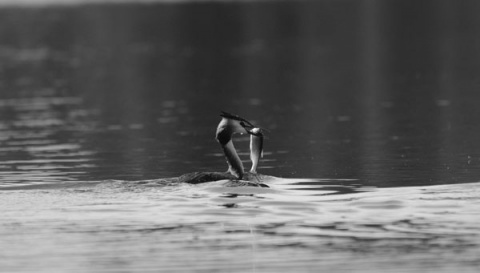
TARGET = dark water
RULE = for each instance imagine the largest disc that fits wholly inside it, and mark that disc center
(362, 98)
(381, 91)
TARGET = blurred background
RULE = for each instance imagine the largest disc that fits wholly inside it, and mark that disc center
(383, 91)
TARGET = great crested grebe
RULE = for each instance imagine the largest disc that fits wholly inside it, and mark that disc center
(229, 125)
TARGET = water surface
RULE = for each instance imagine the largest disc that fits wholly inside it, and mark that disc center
(372, 114)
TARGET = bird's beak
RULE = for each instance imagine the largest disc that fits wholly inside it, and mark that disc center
(247, 126)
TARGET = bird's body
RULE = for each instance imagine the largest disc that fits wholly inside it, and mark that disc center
(249, 179)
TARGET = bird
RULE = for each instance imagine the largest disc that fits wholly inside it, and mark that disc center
(229, 125)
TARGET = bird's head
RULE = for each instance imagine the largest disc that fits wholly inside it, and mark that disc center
(231, 124)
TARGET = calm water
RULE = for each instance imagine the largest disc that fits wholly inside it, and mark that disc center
(372, 111)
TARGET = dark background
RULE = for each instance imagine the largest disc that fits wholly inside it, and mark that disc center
(383, 91)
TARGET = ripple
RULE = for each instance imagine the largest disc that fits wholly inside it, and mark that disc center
(56, 147)
(276, 228)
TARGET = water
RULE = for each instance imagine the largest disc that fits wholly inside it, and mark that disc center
(373, 119)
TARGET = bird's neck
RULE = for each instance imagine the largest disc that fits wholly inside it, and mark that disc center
(235, 166)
